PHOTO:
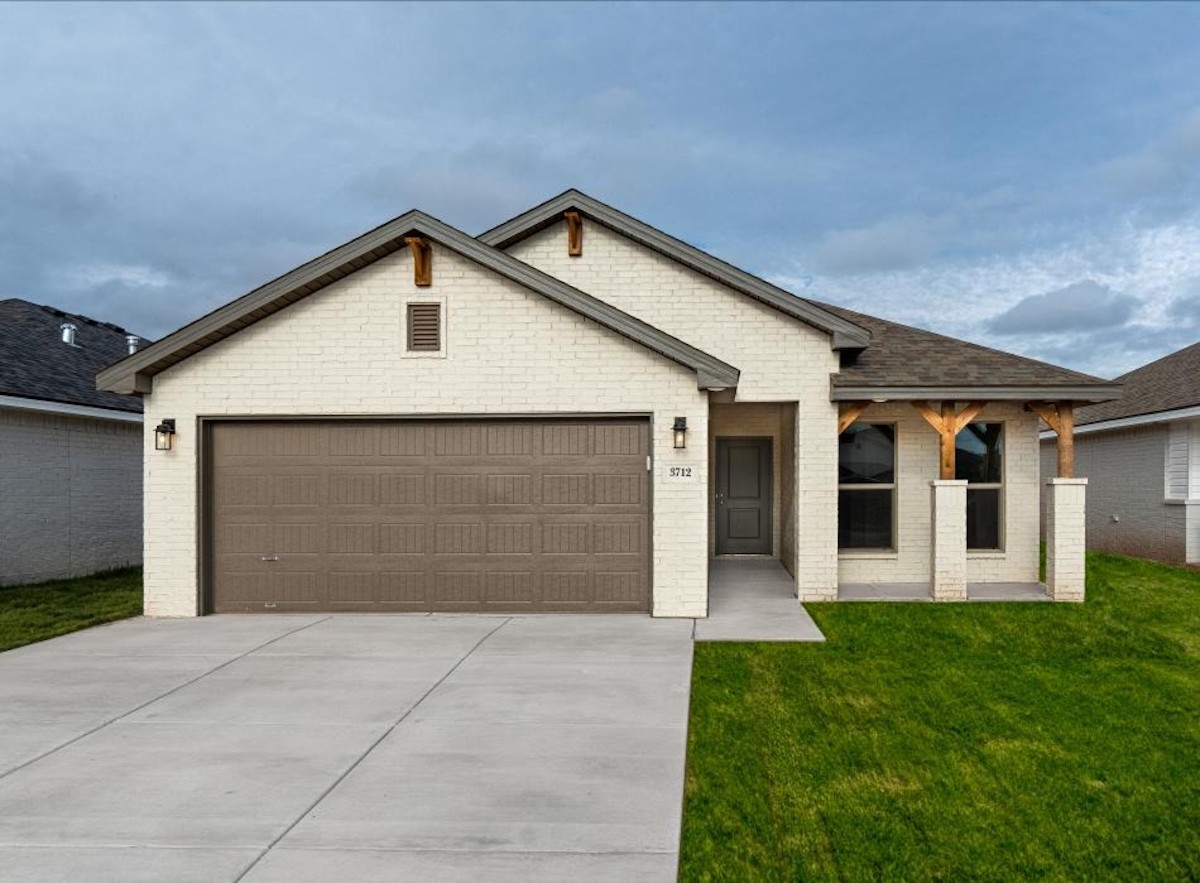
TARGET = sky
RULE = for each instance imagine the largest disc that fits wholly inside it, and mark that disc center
(1024, 176)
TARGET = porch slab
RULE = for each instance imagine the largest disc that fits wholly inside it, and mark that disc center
(884, 592)
(988, 592)
(754, 599)
(1007, 592)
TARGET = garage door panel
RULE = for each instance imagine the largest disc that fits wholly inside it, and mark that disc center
(421, 516)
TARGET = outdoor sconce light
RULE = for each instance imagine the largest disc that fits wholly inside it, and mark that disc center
(163, 433)
(680, 430)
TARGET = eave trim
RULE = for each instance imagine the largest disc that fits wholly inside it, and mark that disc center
(1099, 392)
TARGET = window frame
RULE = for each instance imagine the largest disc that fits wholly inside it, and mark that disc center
(999, 486)
(893, 487)
(443, 327)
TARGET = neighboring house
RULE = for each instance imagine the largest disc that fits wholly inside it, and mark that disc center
(1141, 455)
(575, 411)
(70, 455)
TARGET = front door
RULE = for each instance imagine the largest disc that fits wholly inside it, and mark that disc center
(743, 497)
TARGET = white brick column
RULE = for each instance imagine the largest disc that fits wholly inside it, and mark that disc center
(948, 545)
(1065, 538)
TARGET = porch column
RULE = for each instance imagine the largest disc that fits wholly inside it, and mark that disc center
(948, 545)
(1065, 538)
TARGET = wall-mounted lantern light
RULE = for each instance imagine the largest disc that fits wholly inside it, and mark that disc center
(163, 433)
(680, 431)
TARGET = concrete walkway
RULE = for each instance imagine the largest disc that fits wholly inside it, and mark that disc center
(272, 748)
(754, 599)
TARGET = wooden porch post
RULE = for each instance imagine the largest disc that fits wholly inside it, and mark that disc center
(947, 425)
(1060, 417)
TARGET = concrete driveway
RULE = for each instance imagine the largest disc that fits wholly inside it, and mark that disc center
(304, 748)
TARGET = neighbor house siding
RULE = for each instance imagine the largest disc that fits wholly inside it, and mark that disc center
(917, 466)
(780, 358)
(507, 351)
(1128, 479)
(70, 496)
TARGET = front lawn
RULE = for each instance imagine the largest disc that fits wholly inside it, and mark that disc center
(957, 742)
(46, 610)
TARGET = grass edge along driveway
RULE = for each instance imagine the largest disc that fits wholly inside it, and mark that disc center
(957, 741)
(46, 610)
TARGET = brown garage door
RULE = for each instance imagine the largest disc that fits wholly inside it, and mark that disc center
(547, 515)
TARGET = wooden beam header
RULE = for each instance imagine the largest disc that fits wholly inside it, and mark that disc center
(948, 423)
(574, 233)
(422, 253)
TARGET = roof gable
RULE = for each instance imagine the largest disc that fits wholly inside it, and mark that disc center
(844, 334)
(135, 373)
(36, 364)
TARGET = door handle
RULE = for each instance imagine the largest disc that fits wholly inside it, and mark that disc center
(270, 557)
(720, 499)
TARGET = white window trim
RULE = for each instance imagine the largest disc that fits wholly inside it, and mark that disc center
(443, 327)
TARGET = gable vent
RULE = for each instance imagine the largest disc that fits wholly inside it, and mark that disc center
(424, 327)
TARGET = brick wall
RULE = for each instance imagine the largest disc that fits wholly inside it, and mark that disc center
(917, 465)
(508, 351)
(70, 496)
(781, 360)
(1125, 469)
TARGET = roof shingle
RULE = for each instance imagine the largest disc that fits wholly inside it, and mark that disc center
(1168, 384)
(900, 355)
(36, 364)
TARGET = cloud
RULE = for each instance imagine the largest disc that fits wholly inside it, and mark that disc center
(892, 244)
(129, 275)
(1158, 267)
(1080, 306)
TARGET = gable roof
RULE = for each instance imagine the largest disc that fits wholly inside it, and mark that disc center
(36, 364)
(1167, 384)
(907, 362)
(845, 334)
(135, 373)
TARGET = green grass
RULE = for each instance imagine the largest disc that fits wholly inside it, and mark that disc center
(957, 742)
(46, 610)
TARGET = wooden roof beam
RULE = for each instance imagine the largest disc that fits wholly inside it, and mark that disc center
(422, 253)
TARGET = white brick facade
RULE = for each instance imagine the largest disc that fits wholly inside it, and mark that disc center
(509, 351)
(948, 540)
(781, 360)
(70, 496)
(917, 465)
(1066, 539)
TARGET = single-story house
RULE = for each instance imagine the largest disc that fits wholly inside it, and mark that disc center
(1141, 456)
(70, 455)
(575, 411)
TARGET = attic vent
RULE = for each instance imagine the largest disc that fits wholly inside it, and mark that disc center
(68, 333)
(132, 342)
(424, 328)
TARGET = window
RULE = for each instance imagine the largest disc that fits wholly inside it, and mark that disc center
(424, 327)
(866, 486)
(979, 459)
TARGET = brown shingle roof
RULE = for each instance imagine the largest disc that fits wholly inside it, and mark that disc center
(1170, 383)
(900, 355)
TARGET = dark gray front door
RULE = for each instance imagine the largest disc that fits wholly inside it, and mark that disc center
(743, 496)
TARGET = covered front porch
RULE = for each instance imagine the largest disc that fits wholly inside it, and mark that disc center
(992, 592)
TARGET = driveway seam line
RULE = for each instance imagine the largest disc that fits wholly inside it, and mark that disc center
(175, 689)
(321, 797)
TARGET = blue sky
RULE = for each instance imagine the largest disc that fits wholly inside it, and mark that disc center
(1026, 176)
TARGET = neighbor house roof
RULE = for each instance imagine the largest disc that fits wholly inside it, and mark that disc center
(908, 362)
(36, 364)
(135, 373)
(844, 333)
(1169, 384)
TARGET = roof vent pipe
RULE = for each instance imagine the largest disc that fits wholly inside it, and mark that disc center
(132, 341)
(68, 333)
